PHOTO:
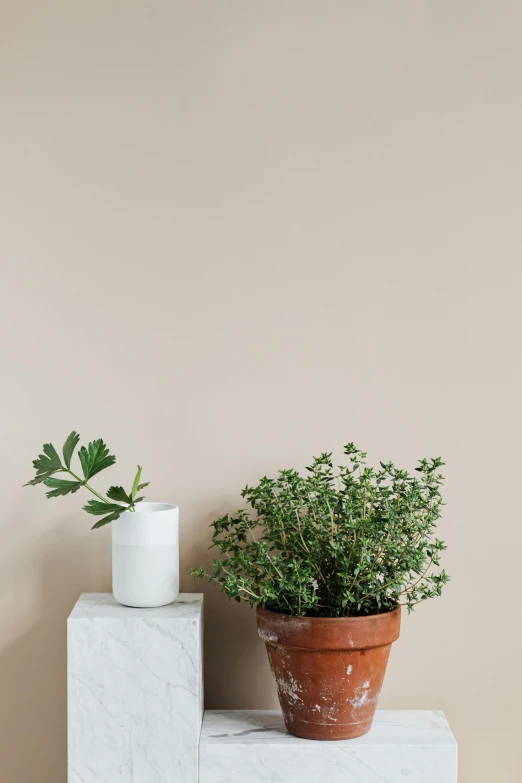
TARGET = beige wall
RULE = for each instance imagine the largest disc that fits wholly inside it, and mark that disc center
(238, 233)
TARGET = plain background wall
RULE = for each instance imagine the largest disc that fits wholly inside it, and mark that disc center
(235, 234)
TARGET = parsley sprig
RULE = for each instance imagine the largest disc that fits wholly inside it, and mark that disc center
(93, 459)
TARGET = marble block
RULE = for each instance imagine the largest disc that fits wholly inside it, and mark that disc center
(135, 691)
(243, 746)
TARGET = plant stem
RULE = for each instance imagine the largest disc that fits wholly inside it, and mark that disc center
(421, 577)
(104, 500)
(243, 589)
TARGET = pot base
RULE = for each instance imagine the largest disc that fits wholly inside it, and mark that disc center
(327, 731)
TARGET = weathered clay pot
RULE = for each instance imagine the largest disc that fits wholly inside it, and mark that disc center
(328, 670)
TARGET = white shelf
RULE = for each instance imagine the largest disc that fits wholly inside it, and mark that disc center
(135, 691)
(253, 747)
(135, 709)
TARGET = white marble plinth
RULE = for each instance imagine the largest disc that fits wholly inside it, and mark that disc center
(246, 746)
(135, 691)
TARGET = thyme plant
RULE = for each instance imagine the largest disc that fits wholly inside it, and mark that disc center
(338, 542)
(93, 459)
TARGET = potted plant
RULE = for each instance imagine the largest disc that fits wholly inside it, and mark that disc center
(329, 559)
(145, 559)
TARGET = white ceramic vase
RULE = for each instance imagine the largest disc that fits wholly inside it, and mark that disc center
(145, 555)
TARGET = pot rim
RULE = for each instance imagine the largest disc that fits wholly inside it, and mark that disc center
(152, 507)
(329, 633)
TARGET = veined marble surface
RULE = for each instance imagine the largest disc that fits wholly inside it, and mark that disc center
(243, 746)
(135, 691)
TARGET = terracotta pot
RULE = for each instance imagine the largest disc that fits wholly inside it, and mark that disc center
(328, 670)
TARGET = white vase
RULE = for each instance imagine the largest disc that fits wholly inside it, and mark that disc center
(145, 555)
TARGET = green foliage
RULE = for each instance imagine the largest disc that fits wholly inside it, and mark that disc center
(93, 459)
(98, 508)
(68, 448)
(47, 463)
(61, 487)
(342, 542)
(136, 482)
(109, 518)
(119, 494)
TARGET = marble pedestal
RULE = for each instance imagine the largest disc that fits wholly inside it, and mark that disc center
(254, 747)
(135, 691)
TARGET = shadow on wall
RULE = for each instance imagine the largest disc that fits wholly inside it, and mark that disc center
(33, 682)
(236, 670)
(237, 673)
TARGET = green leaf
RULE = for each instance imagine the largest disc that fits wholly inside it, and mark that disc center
(39, 478)
(68, 448)
(97, 507)
(118, 493)
(61, 487)
(136, 482)
(106, 520)
(142, 486)
(95, 458)
(49, 461)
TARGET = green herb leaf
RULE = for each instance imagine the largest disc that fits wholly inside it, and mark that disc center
(97, 507)
(69, 447)
(49, 461)
(106, 520)
(142, 486)
(95, 458)
(61, 487)
(136, 482)
(40, 478)
(118, 493)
